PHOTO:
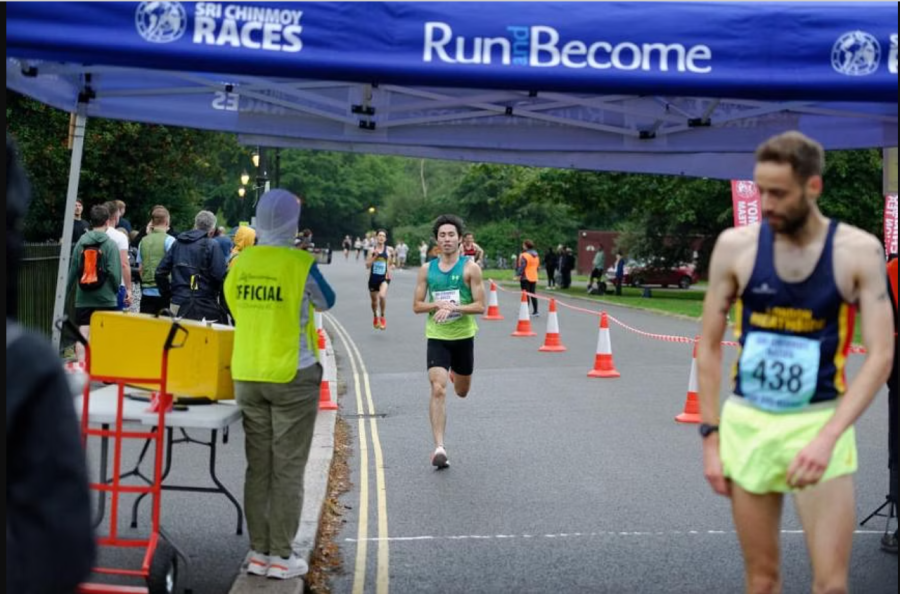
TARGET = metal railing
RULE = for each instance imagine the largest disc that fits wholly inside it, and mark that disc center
(37, 287)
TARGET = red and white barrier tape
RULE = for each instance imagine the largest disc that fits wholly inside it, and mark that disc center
(854, 349)
(662, 337)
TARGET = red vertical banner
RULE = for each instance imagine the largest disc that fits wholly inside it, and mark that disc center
(890, 224)
(746, 201)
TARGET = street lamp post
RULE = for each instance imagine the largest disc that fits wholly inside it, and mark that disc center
(261, 181)
(262, 177)
(372, 218)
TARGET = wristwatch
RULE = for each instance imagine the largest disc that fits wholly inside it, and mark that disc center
(706, 430)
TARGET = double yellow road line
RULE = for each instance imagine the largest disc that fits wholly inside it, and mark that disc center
(366, 408)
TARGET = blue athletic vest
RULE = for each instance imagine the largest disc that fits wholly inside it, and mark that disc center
(790, 326)
(380, 265)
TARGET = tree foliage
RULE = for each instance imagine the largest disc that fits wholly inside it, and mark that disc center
(143, 165)
(660, 216)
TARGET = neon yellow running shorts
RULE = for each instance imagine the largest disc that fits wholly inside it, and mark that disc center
(757, 447)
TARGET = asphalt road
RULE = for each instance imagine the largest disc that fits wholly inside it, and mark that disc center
(558, 483)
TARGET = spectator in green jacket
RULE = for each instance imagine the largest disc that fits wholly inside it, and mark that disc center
(95, 272)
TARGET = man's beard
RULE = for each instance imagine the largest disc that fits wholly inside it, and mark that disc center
(795, 221)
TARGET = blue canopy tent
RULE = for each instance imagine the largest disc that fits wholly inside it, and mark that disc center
(678, 88)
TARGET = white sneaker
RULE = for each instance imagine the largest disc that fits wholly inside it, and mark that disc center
(257, 563)
(285, 569)
(439, 458)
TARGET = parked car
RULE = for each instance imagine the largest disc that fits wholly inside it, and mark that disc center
(639, 273)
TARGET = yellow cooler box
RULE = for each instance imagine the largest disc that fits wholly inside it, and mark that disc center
(128, 345)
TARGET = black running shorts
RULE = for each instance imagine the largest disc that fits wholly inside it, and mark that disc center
(375, 283)
(83, 314)
(458, 355)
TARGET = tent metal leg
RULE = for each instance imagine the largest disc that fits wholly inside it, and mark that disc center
(890, 170)
(69, 222)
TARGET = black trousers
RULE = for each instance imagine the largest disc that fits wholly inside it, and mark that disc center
(531, 288)
(551, 276)
(153, 305)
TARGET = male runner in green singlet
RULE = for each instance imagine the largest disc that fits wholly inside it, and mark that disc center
(450, 290)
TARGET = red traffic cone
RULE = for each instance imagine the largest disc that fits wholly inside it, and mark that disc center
(603, 361)
(523, 328)
(552, 342)
(493, 310)
(691, 413)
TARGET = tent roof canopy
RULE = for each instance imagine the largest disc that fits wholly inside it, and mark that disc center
(686, 88)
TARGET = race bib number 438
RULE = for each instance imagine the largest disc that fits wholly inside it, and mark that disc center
(779, 373)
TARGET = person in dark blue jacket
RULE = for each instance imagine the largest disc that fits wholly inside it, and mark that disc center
(192, 272)
(49, 539)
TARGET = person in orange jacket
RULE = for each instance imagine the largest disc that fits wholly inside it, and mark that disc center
(527, 270)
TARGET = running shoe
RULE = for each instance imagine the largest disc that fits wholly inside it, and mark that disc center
(284, 569)
(439, 458)
(383, 324)
(257, 563)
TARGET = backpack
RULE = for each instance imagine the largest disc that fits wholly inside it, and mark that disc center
(91, 272)
(204, 307)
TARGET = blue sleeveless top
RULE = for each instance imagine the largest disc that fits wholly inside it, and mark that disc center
(380, 265)
(794, 337)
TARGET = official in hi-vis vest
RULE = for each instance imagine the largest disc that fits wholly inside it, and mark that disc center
(272, 291)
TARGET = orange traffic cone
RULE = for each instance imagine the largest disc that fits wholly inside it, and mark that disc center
(493, 311)
(603, 361)
(691, 413)
(325, 401)
(320, 330)
(523, 328)
(552, 342)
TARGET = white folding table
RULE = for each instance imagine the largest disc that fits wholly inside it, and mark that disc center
(213, 417)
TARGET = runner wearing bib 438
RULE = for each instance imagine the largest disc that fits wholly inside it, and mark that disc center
(451, 291)
(796, 281)
(380, 262)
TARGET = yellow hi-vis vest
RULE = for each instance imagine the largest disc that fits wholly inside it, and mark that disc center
(264, 290)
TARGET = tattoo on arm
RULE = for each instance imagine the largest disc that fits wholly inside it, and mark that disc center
(884, 297)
